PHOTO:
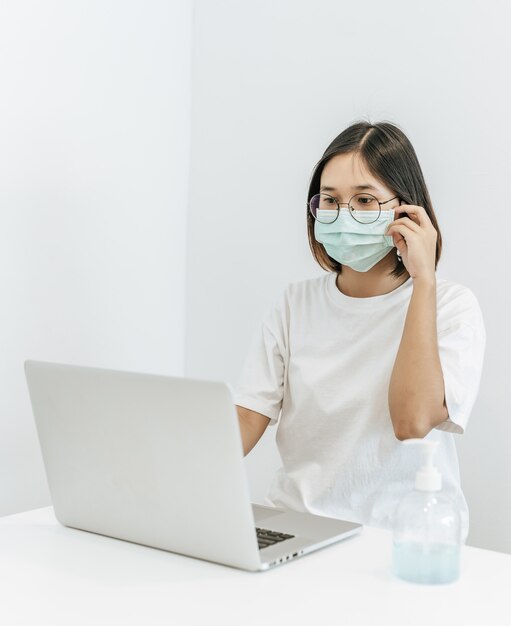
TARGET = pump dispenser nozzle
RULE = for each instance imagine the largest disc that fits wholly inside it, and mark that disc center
(427, 478)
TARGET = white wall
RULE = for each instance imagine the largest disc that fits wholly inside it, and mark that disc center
(273, 84)
(94, 121)
(94, 151)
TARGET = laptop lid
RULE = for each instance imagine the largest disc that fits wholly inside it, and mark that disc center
(157, 460)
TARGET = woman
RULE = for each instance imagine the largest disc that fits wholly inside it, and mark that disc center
(378, 350)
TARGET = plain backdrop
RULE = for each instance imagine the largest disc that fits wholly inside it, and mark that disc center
(128, 241)
(273, 83)
(94, 156)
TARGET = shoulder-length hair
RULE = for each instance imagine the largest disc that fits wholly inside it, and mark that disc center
(390, 157)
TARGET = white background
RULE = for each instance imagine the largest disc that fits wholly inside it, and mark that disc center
(105, 259)
(94, 159)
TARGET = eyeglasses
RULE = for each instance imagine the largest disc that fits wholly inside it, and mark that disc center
(363, 208)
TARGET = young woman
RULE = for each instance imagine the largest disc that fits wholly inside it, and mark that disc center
(377, 350)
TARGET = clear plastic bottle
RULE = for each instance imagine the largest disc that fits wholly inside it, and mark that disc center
(426, 527)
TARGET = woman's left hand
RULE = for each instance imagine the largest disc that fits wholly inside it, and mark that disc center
(415, 237)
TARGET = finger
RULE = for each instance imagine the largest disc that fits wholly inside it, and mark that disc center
(409, 222)
(400, 243)
(398, 239)
(404, 208)
(406, 232)
(417, 212)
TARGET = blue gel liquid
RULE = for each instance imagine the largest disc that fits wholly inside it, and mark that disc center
(434, 563)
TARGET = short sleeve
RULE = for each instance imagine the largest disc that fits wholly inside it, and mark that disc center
(461, 348)
(260, 385)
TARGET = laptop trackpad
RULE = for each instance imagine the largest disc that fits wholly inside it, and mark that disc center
(264, 512)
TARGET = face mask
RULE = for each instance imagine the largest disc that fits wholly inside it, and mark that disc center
(360, 246)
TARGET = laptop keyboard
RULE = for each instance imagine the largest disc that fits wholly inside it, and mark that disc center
(267, 537)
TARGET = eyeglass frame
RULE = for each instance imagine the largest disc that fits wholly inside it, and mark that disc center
(360, 193)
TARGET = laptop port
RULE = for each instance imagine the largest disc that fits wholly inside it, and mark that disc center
(295, 554)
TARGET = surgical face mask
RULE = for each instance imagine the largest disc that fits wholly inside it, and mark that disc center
(360, 246)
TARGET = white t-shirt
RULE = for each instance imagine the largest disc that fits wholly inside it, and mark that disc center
(319, 366)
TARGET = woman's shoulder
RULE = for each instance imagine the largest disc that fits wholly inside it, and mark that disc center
(306, 287)
(456, 300)
(448, 290)
(295, 295)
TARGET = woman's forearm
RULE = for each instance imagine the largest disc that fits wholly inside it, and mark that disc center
(416, 389)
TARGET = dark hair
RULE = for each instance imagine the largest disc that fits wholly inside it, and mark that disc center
(390, 157)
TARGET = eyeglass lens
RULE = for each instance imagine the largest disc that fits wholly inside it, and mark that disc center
(363, 207)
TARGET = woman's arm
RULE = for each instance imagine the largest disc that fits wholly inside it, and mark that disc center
(416, 390)
(252, 427)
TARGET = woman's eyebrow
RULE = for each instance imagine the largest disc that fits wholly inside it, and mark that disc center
(326, 188)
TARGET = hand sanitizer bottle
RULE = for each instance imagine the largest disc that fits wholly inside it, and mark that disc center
(426, 527)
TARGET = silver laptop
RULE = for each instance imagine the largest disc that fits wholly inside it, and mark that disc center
(158, 460)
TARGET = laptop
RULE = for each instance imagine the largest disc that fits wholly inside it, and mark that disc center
(158, 461)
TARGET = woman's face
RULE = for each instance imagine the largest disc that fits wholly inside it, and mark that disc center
(344, 175)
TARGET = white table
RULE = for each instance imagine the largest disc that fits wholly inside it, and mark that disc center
(50, 574)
